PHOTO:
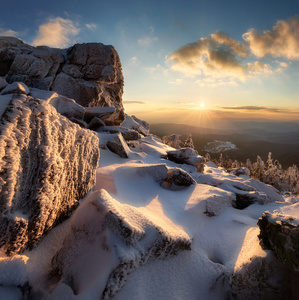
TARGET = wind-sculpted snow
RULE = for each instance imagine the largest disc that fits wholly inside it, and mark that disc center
(47, 163)
(127, 238)
(91, 73)
(110, 240)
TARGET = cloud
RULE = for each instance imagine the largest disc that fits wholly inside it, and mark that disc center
(210, 81)
(210, 55)
(91, 26)
(148, 40)
(281, 41)
(9, 32)
(220, 56)
(134, 102)
(58, 33)
(260, 108)
(177, 81)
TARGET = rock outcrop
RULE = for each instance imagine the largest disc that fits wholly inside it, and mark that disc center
(47, 163)
(91, 73)
(281, 234)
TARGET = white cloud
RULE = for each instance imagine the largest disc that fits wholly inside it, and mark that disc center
(9, 32)
(281, 41)
(177, 81)
(134, 60)
(221, 57)
(149, 39)
(58, 32)
(91, 26)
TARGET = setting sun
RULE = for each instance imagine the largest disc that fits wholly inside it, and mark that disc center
(202, 105)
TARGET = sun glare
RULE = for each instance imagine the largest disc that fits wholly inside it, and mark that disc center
(202, 105)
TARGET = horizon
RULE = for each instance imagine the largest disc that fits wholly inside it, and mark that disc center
(197, 62)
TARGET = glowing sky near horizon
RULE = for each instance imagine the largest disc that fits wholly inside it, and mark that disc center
(236, 57)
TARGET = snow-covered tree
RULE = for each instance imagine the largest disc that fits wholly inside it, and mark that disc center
(172, 140)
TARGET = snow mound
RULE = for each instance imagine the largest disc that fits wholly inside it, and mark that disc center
(108, 240)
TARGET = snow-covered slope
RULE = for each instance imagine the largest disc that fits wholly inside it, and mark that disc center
(140, 235)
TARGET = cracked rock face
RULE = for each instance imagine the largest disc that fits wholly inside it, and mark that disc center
(47, 163)
(91, 73)
(109, 240)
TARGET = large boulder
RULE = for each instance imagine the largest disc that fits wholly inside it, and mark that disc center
(47, 163)
(280, 233)
(91, 73)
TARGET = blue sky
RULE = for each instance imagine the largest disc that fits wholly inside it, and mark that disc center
(179, 56)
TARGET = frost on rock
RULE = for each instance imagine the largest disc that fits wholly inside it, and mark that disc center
(109, 240)
(280, 233)
(91, 73)
(47, 164)
(134, 123)
(187, 156)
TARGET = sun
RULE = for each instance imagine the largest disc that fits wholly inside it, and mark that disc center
(202, 105)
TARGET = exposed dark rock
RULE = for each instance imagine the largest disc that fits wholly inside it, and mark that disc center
(47, 164)
(280, 234)
(91, 73)
(95, 124)
(128, 135)
(103, 113)
(178, 178)
(118, 145)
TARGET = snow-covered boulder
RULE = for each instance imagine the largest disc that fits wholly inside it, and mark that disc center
(3, 83)
(187, 156)
(140, 126)
(91, 73)
(16, 88)
(47, 163)
(108, 240)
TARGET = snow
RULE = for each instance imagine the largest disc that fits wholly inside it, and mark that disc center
(219, 146)
(125, 216)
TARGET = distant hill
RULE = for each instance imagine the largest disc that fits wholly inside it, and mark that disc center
(250, 142)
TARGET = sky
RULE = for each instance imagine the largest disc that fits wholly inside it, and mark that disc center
(182, 60)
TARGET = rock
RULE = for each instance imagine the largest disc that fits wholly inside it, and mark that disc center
(91, 73)
(187, 156)
(95, 124)
(3, 83)
(136, 124)
(111, 240)
(103, 113)
(177, 178)
(47, 164)
(16, 88)
(280, 234)
(128, 135)
(118, 145)
(240, 171)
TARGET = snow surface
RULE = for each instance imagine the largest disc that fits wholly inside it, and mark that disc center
(223, 239)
